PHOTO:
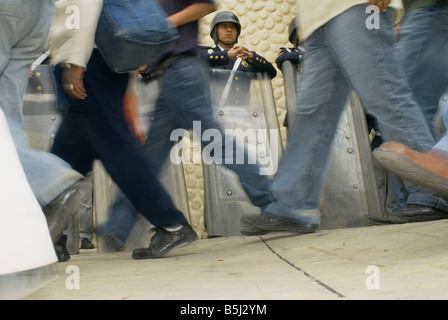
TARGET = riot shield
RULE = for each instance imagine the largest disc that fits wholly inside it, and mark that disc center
(171, 176)
(40, 108)
(350, 193)
(42, 118)
(244, 106)
(24, 226)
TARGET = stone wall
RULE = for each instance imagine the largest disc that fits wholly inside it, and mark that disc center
(265, 26)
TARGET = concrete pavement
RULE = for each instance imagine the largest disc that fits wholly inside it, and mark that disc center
(394, 262)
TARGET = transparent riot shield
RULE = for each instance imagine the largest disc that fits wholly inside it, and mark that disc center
(24, 224)
(244, 105)
(350, 193)
(171, 176)
(40, 108)
(41, 122)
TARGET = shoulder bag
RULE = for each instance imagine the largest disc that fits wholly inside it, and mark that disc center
(131, 33)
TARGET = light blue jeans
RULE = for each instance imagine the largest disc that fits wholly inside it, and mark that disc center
(24, 26)
(423, 49)
(340, 56)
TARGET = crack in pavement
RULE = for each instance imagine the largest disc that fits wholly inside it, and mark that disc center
(334, 291)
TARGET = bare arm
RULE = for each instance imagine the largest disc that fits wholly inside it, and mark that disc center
(73, 83)
(191, 13)
(381, 4)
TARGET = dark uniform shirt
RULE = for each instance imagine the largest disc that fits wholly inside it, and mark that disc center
(187, 43)
(294, 55)
(218, 59)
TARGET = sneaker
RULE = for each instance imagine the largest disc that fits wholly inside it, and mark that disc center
(164, 241)
(254, 225)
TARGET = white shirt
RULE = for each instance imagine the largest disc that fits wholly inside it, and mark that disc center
(72, 36)
(312, 16)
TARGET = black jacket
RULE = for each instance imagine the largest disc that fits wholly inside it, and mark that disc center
(219, 60)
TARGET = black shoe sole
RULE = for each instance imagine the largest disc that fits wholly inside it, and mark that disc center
(144, 254)
(252, 231)
(396, 219)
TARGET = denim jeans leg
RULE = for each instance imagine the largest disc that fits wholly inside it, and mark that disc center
(364, 53)
(422, 47)
(346, 46)
(321, 98)
(102, 117)
(47, 174)
(123, 214)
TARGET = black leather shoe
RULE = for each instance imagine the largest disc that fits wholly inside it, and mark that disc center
(61, 249)
(164, 241)
(59, 212)
(411, 213)
(254, 225)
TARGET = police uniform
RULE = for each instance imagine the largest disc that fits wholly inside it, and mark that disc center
(295, 55)
(218, 59)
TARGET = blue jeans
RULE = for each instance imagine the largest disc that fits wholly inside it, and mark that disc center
(184, 98)
(103, 133)
(24, 26)
(423, 48)
(340, 56)
(145, 33)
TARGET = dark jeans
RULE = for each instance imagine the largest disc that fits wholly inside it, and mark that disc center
(183, 99)
(104, 134)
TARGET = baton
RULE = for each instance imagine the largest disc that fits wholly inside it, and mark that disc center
(39, 60)
(229, 82)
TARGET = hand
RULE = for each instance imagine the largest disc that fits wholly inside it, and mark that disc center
(243, 53)
(142, 69)
(231, 53)
(72, 82)
(381, 4)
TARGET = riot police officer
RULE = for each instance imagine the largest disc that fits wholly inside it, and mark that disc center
(225, 29)
(294, 54)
